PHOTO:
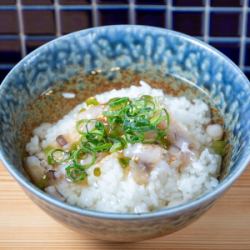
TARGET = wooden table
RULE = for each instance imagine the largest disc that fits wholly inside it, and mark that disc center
(24, 226)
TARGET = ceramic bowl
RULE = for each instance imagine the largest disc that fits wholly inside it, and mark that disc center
(146, 51)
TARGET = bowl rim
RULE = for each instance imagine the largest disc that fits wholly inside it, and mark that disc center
(164, 212)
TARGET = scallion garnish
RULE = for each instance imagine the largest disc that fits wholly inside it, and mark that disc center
(219, 147)
(81, 154)
(82, 110)
(124, 161)
(75, 172)
(97, 172)
(92, 101)
(140, 120)
(57, 156)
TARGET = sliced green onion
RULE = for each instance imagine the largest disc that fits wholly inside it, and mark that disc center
(219, 147)
(164, 142)
(85, 125)
(97, 146)
(97, 133)
(115, 130)
(131, 111)
(47, 150)
(148, 99)
(157, 118)
(124, 161)
(92, 101)
(167, 118)
(81, 126)
(94, 136)
(81, 154)
(82, 110)
(118, 144)
(118, 103)
(75, 173)
(97, 172)
(126, 121)
(149, 103)
(58, 156)
(134, 138)
(74, 146)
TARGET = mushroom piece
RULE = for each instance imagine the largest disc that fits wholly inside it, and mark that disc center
(61, 140)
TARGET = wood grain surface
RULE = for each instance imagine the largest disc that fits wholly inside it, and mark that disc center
(24, 226)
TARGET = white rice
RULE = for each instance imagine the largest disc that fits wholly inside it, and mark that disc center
(117, 191)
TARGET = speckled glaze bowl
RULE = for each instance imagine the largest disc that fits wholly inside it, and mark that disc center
(145, 50)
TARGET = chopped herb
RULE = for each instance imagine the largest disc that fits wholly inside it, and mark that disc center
(118, 144)
(97, 172)
(75, 173)
(82, 125)
(124, 161)
(124, 121)
(219, 147)
(47, 150)
(117, 103)
(74, 146)
(57, 156)
(92, 101)
(82, 110)
(81, 154)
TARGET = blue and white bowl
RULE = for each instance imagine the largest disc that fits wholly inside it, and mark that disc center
(139, 49)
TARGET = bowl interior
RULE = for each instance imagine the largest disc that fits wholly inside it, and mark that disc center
(114, 56)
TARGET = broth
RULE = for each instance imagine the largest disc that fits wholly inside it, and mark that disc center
(51, 106)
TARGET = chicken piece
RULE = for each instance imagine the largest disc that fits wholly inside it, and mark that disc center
(140, 172)
(215, 131)
(146, 153)
(143, 160)
(178, 158)
(179, 136)
(36, 171)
